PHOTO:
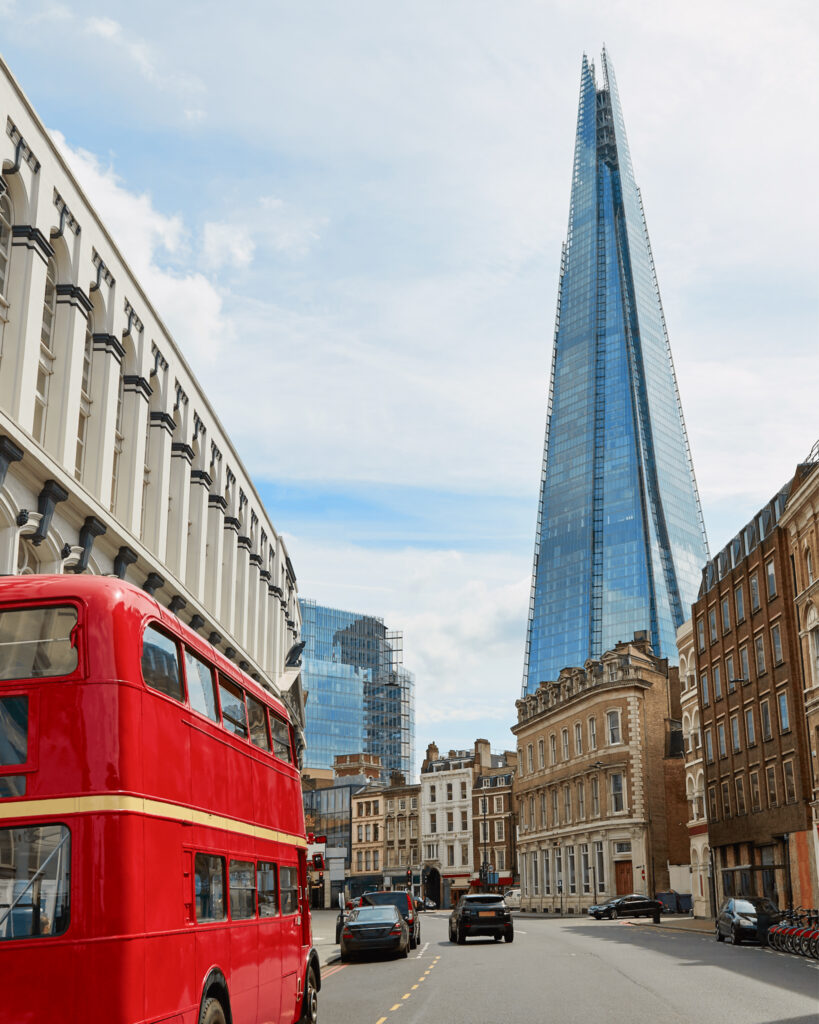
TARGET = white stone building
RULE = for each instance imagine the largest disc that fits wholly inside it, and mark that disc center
(701, 881)
(112, 459)
(446, 824)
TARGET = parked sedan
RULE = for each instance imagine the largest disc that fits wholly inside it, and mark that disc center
(481, 914)
(746, 918)
(629, 906)
(401, 899)
(371, 929)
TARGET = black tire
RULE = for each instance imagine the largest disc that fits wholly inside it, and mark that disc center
(598, 917)
(497, 937)
(309, 1006)
(212, 1013)
(613, 914)
(461, 937)
(735, 939)
(510, 936)
(412, 942)
(719, 936)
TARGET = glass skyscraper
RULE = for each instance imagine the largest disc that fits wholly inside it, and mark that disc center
(620, 537)
(361, 699)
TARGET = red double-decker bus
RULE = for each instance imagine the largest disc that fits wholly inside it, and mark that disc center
(152, 845)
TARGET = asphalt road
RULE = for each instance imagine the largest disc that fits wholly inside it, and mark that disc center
(573, 972)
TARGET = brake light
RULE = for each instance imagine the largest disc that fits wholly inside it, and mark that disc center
(347, 933)
(396, 930)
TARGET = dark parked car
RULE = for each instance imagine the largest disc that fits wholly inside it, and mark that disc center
(372, 929)
(628, 906)
(481, 914)
(746, 917)
(404, 902)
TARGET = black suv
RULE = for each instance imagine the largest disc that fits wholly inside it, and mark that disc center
(481, 914)
(405, 903)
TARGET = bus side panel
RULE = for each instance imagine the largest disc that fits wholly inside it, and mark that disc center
(166, 740)
(209, 781)
(244, 970)
(32, 972)
(270, 967)
(169, 942)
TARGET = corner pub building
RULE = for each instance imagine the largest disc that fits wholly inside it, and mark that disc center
(112, 460)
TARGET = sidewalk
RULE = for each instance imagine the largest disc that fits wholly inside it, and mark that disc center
(324, 934)
(679, 923)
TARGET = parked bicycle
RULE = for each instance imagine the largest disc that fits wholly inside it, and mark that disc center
(797, 933)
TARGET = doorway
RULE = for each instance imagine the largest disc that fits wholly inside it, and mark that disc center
(623, 876)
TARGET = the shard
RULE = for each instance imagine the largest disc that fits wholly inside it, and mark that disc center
(620, 537)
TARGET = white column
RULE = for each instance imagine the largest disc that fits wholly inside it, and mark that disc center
(178, 509)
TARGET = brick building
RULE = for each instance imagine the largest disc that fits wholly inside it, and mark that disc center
(600, 784)
(402, 833)
(800, 521)
(701, 881)
(367, 860)
(752, 713)
(493, 818)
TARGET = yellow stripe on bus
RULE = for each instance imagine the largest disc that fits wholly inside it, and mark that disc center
(117, 802)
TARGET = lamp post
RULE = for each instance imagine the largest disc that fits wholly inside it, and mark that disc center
(485, 865)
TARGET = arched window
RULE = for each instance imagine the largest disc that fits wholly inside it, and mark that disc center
(117, 442)
(46, 366)
(85, 401)
(5, 242)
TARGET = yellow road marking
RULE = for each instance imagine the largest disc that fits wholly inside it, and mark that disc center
(397, 1005)
(414, 987)
(406, 996)
(380, 1020)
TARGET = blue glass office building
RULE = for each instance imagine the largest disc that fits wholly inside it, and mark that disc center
(620, 539)
(361, 699)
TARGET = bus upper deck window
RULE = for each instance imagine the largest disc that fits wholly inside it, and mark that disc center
(160, 664)
(281, 738)
(37, 642)
(258, 723)
(234, 714)
(201, 690)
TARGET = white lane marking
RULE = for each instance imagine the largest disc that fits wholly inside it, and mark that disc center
(424, 948)
(520, 932)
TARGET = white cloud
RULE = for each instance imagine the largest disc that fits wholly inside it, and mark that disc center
(227, 245)
(143, 57)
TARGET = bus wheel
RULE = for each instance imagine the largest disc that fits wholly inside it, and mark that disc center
(309, 1013)
(212, 1013)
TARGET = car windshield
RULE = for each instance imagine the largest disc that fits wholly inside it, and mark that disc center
(754, 906)
(374, 915)
(395, 899)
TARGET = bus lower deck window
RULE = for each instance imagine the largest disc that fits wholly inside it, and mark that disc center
(209, 875)
(268, 889)
(289, 881)
(242, 889)
(35, 868)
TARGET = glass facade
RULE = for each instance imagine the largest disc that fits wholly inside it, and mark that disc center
(361, 699)
(620, 539)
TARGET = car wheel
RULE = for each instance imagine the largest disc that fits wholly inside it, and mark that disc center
(405, 951)
(735, 939)
(597, 917)
(461, 937)
(510, 936)
(719, 936)
(412, 942)
(497, 937)
(613, 914)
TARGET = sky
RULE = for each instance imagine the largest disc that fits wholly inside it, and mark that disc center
(350, 217)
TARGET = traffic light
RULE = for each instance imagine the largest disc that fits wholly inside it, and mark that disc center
(409, 875)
